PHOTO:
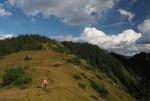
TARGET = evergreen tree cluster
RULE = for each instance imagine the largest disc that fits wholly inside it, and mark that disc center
(23, 42)
(104, 61)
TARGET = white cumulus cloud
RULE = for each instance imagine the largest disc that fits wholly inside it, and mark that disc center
(145, 29)
(4, 12)
(72, 12)
(128, 14)
(92, 32)
(123, 43)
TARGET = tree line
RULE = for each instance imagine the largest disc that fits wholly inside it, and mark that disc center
(104, 61)
(23, 42)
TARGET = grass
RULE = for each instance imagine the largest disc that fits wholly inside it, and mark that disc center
(62, 85)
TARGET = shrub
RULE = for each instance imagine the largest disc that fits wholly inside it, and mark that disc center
(84, 75)
(77, 77)
(120, 96)
(74, 60)
(57, 64)
(59, 49)
(27, 58)
(17, 76)
(81, 85)
(99, 88)
(24, 79)
(94, 97)
(23, 87)
(98, 76)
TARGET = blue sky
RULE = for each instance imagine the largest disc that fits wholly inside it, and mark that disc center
(111, 23)
(73, 19)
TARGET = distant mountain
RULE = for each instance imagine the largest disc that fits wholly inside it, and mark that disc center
(141, 64)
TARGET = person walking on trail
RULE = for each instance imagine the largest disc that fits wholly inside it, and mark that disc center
(44, 84)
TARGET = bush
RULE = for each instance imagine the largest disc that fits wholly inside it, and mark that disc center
(94, 97)
(77, 77)
(81, 85)
(57, 64)
(59, 49)
(27, 58)
(99, 88)
(23, 87)
(84, 75)
(24, 79)
(17, 76)
(98, 76)
(74, 60)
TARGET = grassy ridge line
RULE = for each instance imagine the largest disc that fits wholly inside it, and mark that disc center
(62, 85)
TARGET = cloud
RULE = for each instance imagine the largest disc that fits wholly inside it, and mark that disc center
(128, 14)
(71, 12)
(3, 12)
(145, 29)
(123, 43)
(92, 32)
(6, 36)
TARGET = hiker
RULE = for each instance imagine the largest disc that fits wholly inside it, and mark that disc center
(44, 84)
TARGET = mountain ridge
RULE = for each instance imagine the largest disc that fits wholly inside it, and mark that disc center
(100, 60)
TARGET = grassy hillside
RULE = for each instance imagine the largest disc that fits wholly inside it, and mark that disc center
(98, 77)
(60, 73)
